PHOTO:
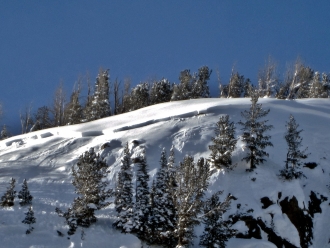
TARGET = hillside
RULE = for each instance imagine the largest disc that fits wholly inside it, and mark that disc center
(45, 159)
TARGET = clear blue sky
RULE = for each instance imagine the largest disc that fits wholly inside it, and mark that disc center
(44, 42)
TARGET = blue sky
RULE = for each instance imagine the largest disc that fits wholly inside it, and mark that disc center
(44, 42)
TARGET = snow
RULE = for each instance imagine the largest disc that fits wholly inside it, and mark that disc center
(45, 159)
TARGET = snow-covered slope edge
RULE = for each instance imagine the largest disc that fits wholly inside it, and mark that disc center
(45, 158)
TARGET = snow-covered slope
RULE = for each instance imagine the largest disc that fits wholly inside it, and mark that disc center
(45, 158)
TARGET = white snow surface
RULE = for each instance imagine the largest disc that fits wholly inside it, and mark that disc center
(44, 158)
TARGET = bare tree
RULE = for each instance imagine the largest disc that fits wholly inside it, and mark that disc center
(26, 119)
(59, 105)
(267, 78)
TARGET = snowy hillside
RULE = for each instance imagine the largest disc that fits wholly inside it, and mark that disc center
(45, 159)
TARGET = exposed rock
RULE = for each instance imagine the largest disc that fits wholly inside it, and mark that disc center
(300, 218)
(266, 202)
(310, 165)
(314, 205)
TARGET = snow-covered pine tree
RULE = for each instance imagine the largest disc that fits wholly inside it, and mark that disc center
(182, 91)
(267, 79)
(73, 110)
(224, 143)
(91, 187)
(247, 88)
(98, 105)
(42, 119)
(254, 133)
(164, 216)
(124, 194)
(192, 182)
(140, 96)
(7, 200)
(236, 85)
(4, 133)
(142, 199)
(161, 91)
(29, 220)
(200, 88)
(24, 196)
(217, 231)
(294, 154)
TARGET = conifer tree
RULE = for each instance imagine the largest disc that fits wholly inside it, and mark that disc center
(140, 96)
(124, 194)
(98, 105)
(73, 110)
(24, 195)
(4, 133)
(42, 119)
(217, 231)
(192, 182)
(91, 187)
(7, 200)
(161, 91)
(200, 88)
(236, 85)
(294, 155)
(254, 133)
(29, 220)
(182, 91)
(224, 143)
(142, 198)
(164, 215)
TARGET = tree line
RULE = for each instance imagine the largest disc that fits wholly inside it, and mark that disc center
(106, 97)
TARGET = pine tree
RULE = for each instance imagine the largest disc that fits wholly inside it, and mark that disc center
(98, 105)
(58, 107)
(4, 133)
(42, 119)
(294, 154)
(200, 88)
(140, 96)
(236, 85)
(164, 215)
(24, 195)
(142, 197)
(7, 200)
(161, 91)
(91, 187)
(224, 143)
(254, 133)
(217, 231)
(29, 220)
(192, 180)
(73, 110)
(124, 194)
(182, 91)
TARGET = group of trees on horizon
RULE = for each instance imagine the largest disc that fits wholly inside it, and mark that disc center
(106, 97)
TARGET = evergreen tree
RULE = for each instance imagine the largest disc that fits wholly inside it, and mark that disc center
(98, 105)
(24, 195)
(182, 91)
(294, 154)
(200, 88)
(164, 215)
(42, 119)
(142, 197)
(73, 110)
(217, 231)
(254, 133)
(124, 194)
(7, 200)
(140, 96)
(236, 85)
(224, 143)
(248, 88)
(91, 187)
(192, 182)
(161, 91)
(29, 220)
(4, 133)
